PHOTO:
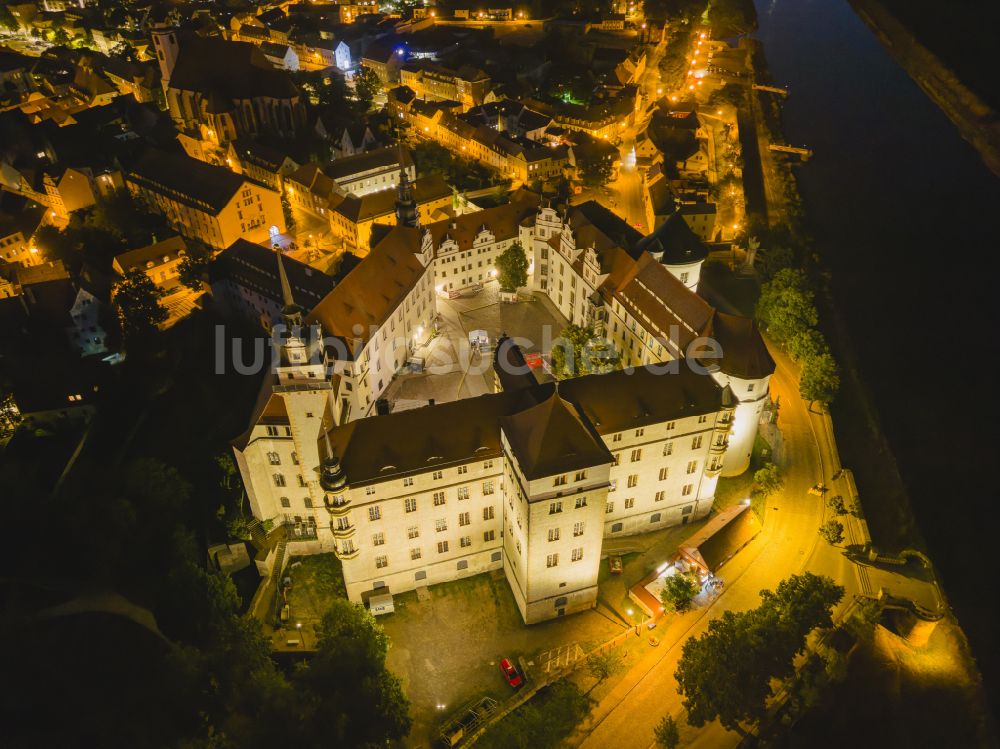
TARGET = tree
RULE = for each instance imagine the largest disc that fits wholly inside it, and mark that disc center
(805, 344)
(192, 270)
(579, 351)
(726, 673)
(785, 307)
(678, 592)
(603, 664)
(666, 733)
(820, 378)
(595, 166)
(767, 481)
(137, 299)
(366, 87)
(832, 532)
(348, 697)
(729, 17)
(287, 213)
(7, 21)
(836, 503)
(512, 268)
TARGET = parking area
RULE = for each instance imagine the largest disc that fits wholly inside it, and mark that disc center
(453, 370)
(447, 642)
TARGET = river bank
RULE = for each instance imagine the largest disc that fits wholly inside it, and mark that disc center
(976, 120)
(866, 263)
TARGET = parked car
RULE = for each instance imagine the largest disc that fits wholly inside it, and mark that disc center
(510, 673)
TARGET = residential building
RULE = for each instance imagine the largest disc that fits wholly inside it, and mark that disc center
(209, 203)
(160, 261)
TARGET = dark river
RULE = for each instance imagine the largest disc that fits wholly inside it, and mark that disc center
(907, 217)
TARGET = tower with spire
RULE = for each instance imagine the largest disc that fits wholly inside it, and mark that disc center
(293, 348)
(406, 205)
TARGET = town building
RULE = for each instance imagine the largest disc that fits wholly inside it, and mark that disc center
(160, 261)
(208, 203)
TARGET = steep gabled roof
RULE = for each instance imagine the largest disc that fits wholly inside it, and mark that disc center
(552, 438)
(744, 353)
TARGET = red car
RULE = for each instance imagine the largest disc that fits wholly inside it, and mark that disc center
(510, 673)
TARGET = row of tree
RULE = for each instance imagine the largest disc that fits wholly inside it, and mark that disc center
(786, 309)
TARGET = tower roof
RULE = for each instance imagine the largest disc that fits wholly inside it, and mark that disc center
(552, 437)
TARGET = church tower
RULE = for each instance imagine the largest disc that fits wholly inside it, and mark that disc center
(165, 43)
(406, 205)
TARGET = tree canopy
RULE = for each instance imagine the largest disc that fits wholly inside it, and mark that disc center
(786, 305)
(137, 299)
(579, 351)
(726, 673)
(678, 592)
(767, 480)
(512, 268)
(820, 378)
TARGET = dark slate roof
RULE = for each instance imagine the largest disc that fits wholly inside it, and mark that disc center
(255, 267)
(553, 437)
(744, 354)
(187, 180)
(233, 70)
(675, 240)
(722, 536)
(466, 430)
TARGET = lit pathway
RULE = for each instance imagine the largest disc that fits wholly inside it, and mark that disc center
(789, 544)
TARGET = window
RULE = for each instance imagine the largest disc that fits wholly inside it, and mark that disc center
(686, 491)
(687, 510)
(489, 536)
(702, 419)
(633, 480)
(553, 534)
(636, 455)
(581, 502)
(274, 459)
(670, 425)
(660, 496)
(437, 475)
(279, 480)
(410, 505)
(560, 481)
(374, 513)
(302, 480)
(286, 502)
(440, 525)
(414, 554)
(307, 501)
(615, 459)
(272, 431)
(487, 488)
(465, 542)
(577, 554)
(463, 518)
(442, 547)
(488, 513)
(668, 448)
(408, 481)
(580, 476)
(616, 527)
(750, 387)
(610, 508)
(369, 491)
(578, 529)
(438, 499)
(295, 459)
(664, 472)
(692, 466)
(629, 503)
(463, 470)
(488, 465)
(378, 539)
(463, 492)
(552, 560)
(555, 507)
(655, 517)
(639, 432)
(381, 561)
(696, 442)
(413, 532)
(616, 438)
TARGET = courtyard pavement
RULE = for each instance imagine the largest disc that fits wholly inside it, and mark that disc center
(451, 370)
(448, 639)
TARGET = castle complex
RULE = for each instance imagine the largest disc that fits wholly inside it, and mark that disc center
(529, 479)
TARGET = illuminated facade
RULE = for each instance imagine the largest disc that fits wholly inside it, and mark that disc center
(530, 479)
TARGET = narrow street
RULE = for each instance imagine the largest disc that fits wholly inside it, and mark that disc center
(789, 544)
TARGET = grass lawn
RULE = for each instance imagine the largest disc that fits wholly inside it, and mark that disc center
(317, 580)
